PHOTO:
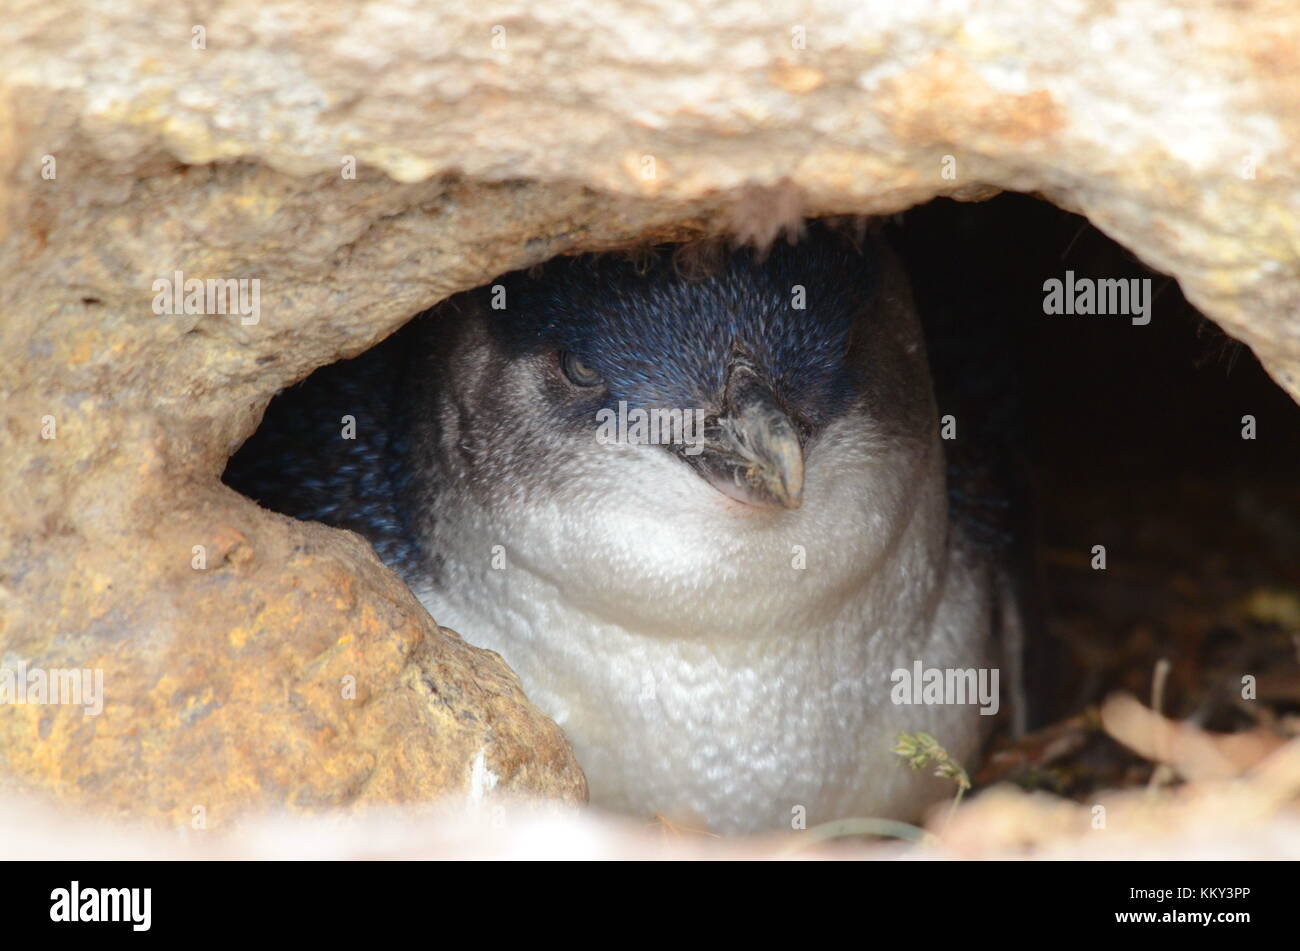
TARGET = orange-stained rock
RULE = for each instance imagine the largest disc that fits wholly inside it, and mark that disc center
(293, 670)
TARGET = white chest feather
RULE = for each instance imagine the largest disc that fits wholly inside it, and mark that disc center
(721, 665)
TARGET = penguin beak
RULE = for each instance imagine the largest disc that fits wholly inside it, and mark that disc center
(752, 451)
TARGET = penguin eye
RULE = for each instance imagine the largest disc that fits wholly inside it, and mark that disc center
(579, 373)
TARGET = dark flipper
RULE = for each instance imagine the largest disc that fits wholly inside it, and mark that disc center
(300, 463)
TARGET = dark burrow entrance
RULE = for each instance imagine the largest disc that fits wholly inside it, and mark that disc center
(1162, 441)
(1135, 436)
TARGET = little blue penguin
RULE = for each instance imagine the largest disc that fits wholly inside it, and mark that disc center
(723, 626)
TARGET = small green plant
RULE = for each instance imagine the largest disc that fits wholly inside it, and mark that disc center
(921, 749)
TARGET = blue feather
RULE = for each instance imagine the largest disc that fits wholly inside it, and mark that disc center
(659, 340)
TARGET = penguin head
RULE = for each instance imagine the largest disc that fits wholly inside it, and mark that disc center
(734, 376)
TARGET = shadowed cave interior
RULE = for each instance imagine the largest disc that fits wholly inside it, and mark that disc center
(1134, 437)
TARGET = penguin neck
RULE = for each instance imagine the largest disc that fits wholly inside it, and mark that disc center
(663, 556)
